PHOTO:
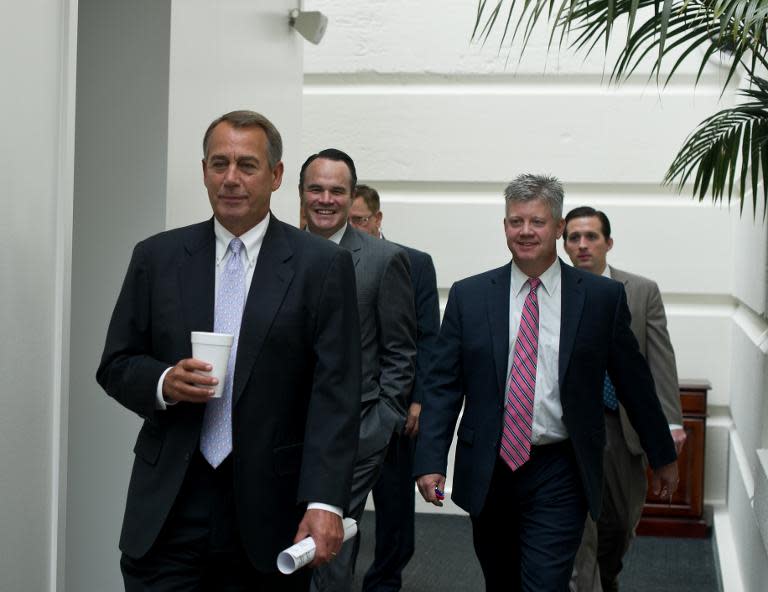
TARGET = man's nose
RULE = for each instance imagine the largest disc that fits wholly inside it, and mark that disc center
(230, 176)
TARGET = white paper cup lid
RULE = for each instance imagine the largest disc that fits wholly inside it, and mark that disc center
(212, 338)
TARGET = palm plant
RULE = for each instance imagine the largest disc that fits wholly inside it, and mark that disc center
(727, 154)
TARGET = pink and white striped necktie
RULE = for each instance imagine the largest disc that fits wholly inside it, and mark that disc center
(521, 387)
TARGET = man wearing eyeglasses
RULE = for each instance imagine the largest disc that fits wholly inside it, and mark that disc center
(393, 493)
(365, 213)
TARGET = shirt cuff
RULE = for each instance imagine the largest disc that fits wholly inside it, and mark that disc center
(674, 426)
(160, 401)
(327, 507)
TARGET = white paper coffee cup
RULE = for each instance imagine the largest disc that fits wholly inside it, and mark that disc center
(213, 348)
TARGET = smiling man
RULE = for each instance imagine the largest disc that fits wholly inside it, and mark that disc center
(524, 350)
(587, 239)
(221, 485)
(387, 330)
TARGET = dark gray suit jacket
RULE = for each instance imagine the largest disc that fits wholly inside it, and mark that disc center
(387, 333)
(427, 300)
(649, 324)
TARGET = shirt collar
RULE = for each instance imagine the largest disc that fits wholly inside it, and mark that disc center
(252, 239)
(336, 236)
(550, 279)
(607, 272)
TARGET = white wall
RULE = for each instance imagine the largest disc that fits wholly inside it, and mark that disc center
(439, 126)
(747, 495)
(36, 112)
(225, 55)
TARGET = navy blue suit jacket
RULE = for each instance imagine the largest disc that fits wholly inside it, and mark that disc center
(424, 282)
(470, 369)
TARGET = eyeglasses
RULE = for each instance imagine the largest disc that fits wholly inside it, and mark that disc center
(360, 220)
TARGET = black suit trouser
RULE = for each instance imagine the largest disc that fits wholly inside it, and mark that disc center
(527, 534)
(199, 547)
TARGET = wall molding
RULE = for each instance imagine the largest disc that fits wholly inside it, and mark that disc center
(754, 326)
(507, 83)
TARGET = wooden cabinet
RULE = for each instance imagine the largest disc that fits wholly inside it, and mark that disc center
(683, 515)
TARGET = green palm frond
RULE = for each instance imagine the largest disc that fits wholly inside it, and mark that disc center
(739, 27)
(727, 148)
(662, 31)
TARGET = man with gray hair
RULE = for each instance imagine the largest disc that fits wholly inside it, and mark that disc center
(220, 485)
(524, 349)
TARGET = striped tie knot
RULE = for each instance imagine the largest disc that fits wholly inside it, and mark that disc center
(534, 283)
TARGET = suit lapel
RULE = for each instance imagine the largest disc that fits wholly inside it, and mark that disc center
(351, 241)
(572, 304)
(271, 278)
(197, 278)
(498, 321)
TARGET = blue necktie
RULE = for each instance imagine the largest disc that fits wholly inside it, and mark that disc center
(216, 436)
(609, 394)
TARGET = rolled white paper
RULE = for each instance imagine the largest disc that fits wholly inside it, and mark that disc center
(298, 555)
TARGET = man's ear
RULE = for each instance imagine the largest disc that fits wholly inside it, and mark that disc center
(560, 227)
(277, 175)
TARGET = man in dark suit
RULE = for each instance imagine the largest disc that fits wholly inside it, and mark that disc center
(387, 330)
(220, 486)
(525, 349)
(394, 492)
(587, 239)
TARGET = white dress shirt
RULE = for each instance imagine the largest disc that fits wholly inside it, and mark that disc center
(336, 236)
(548, 426)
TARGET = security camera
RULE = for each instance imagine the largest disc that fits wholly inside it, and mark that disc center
(310, 24)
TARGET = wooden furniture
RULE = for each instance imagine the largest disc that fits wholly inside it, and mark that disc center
(683, 516)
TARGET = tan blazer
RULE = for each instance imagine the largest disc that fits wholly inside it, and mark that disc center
(649, 324)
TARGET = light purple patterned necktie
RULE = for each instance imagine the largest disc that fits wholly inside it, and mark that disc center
(521, 388)
(216, 436)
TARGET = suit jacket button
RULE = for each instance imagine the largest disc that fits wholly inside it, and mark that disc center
(187, 457)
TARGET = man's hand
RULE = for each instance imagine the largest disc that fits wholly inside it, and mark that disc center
(665, 480)
(427, 485)
(412, 421)
(679, 436)
(184, 383)
(327, 531)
